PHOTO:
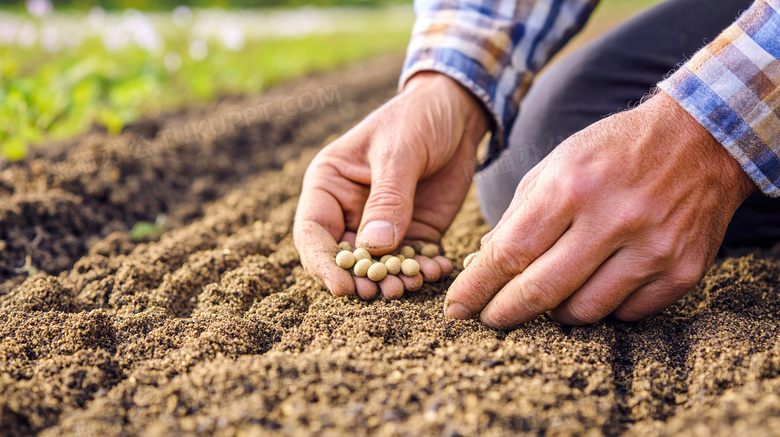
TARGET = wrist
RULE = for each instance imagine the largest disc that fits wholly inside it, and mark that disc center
(472, 112)
(689, 133)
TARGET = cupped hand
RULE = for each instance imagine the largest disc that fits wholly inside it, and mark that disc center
(623, 218)
(396, 175)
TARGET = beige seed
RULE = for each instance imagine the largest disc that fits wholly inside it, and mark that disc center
(377, 272)
(410, 267)
(361, 254)
(400, 257)
(469, 259)
(385, 258)
(393, 265)
(345, 259)
(344, 245)
(408, 251)
(429, 250)
(361, 267)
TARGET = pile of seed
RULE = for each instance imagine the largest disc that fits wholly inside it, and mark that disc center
(363, 265)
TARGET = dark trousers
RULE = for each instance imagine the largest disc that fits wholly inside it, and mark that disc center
(608, 75)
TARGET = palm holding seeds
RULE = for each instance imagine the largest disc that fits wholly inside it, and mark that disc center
(380, 187)
(389, 264)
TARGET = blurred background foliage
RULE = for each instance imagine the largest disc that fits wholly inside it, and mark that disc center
(64, 71)
(69, 66)
(167, 5)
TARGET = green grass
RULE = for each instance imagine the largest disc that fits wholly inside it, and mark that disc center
(53, 96)
(46, 96)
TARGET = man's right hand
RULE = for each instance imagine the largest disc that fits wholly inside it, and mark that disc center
(397, 175)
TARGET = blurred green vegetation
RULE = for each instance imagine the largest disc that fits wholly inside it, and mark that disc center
(57, 95)
(167, 5)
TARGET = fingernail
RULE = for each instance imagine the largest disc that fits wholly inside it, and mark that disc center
(377, 234)
(454, 310)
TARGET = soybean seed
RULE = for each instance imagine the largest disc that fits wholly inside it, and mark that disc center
(385, 258)
(429, 250)
(400, 257)
(345, 259)
(408, 251)
(344, 245)
(393, 265)
(361, 254)
(469, 259)
(410, 267)
(377, 272)
(361, 267)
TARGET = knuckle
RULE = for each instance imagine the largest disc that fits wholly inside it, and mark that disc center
(629, 218)
(686, 276)
(538, 297)
(506, 258)
(627, 313)
(587, 312)
(661, 251)
(575, 188)
(387, 197)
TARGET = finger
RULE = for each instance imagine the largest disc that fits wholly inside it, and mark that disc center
(392, 287)
(429, 268)
(319, 220)
(549, 280)
(444, 264)
(388, 210)
(412, 283)
(366, 288)
(530, 232)
(523, 188)
(349, 237)
(317, 249)
(619, 277)
(653, 298)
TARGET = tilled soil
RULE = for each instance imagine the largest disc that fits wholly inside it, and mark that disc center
(214, 328)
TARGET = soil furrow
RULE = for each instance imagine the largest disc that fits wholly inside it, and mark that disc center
(58, 202)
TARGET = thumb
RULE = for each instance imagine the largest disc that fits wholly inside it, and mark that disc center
(388, 210)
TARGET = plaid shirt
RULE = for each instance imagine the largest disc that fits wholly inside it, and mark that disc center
(495, 47)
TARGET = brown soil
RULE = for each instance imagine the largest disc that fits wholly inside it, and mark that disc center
(214, 328)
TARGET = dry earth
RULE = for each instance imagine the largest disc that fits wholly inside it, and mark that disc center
(214, 328)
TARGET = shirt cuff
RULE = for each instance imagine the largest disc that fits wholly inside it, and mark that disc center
(732, 87)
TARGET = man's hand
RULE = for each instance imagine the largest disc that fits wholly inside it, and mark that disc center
(397, 175)
(623, 218)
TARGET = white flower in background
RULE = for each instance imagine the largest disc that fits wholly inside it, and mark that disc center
(182, 16)
(28, 35)
(138, 25)
(172, 61)
(39, 8)
(96, 17)
(146, 37)
(50, 39)
(115, 38)
(8, 30)
(198, 50)
(232, 38)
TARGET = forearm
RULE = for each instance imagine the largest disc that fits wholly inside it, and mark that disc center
(732, 88)
(493, 49)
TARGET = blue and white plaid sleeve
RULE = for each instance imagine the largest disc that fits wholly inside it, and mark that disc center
(732, 87)
(492, 47)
